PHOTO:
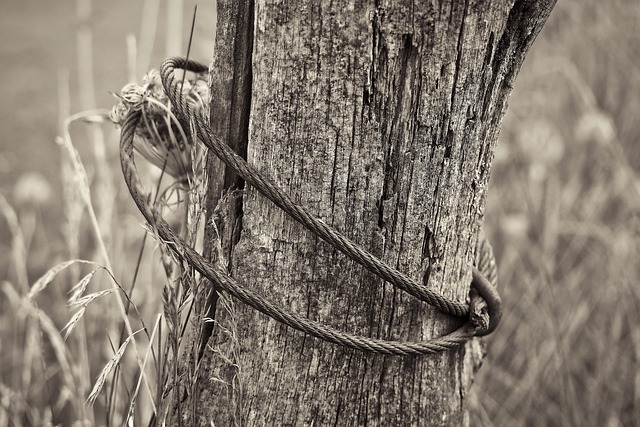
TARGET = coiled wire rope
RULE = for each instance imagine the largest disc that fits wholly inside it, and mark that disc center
(484, 296)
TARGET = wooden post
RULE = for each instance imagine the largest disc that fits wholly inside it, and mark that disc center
(381, 118)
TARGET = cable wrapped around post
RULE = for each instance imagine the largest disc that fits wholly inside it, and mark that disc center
(199, 126)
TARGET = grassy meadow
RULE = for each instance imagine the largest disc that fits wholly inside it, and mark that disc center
(563, 215)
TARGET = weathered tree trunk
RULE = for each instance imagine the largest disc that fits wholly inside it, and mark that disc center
(381, 118)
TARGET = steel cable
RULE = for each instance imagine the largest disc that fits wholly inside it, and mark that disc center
(269, 189)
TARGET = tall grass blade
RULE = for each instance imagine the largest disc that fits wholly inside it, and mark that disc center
(48, 277)
(113, 362)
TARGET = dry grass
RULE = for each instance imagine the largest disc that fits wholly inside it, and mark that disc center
(563, 214)
(91, 359)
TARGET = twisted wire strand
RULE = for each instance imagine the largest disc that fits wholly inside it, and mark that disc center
(484, 278)
(230, 285)
(485, 302)
(272, 191)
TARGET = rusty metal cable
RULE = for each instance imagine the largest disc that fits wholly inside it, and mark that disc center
(197, 122)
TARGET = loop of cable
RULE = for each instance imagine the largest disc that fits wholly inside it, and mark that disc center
(198, 124)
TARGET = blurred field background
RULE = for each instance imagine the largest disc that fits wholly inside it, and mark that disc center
(563, 214)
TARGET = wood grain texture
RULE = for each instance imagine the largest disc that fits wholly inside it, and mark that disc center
(381, 118)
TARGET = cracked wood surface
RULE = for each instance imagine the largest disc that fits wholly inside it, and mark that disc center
(382, 119)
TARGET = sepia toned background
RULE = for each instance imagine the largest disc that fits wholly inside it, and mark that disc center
(563, 211)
